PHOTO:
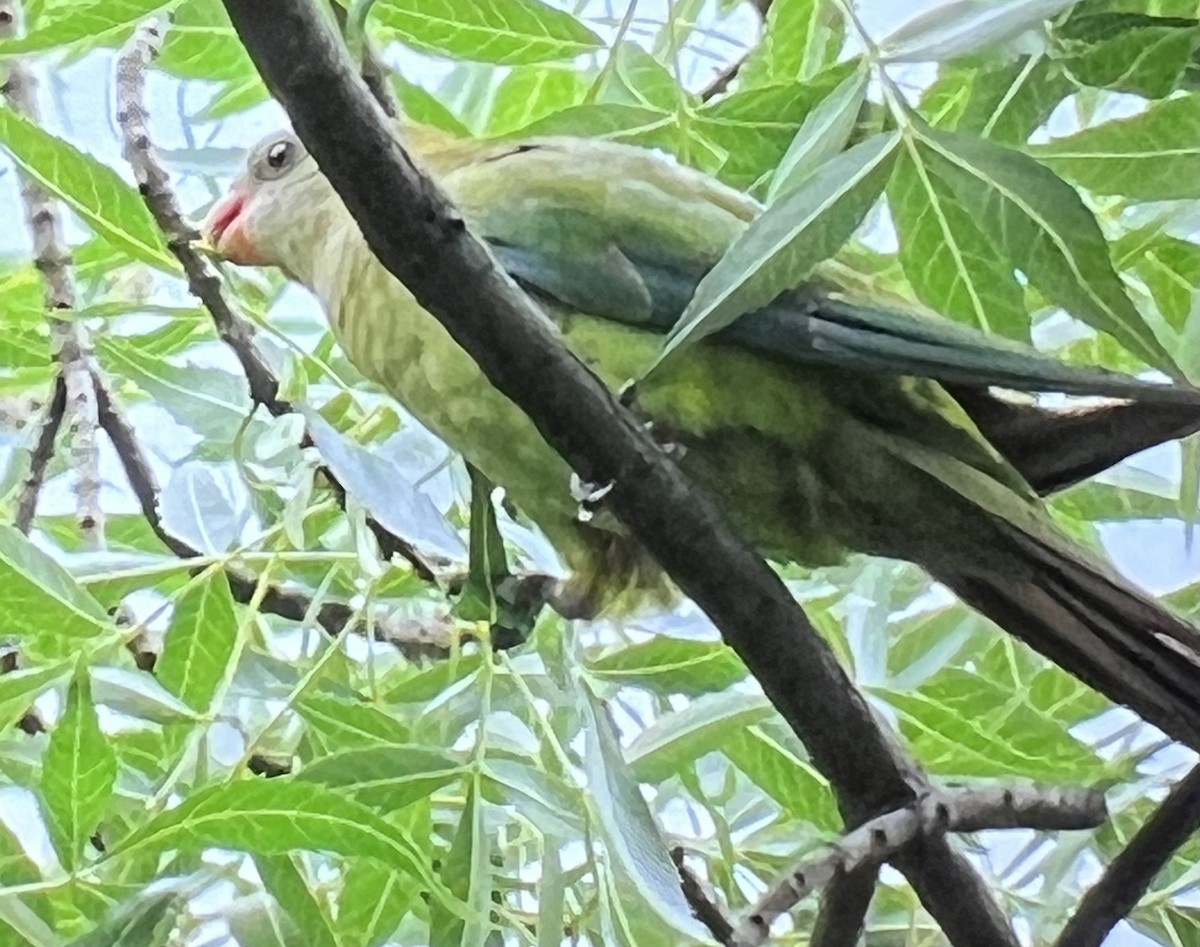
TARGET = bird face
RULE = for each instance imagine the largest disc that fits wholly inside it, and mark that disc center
(261, 221)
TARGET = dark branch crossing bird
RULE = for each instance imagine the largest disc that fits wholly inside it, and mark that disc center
(822, 425)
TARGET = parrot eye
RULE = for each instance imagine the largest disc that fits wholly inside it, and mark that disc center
(276, 159)
(277, 154)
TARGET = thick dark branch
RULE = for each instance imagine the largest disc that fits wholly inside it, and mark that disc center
(1131, 872)
(72, 350)
(454, 277)
(844, 905)
(42, 454)
(701, 901)
(202, 278)
(880, 838)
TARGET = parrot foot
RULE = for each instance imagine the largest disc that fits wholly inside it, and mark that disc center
(589, 496)
(627, 395)
(573, 601)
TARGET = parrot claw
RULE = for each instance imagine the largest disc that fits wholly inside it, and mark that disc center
(627, 395)
(588, 496)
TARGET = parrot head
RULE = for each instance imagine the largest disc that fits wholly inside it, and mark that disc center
(273, 212)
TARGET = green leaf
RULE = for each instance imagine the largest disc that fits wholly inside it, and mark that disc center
(19, 689)
(380, 486)
(467, 872)
(200, 642)
(783, 245)
(211, 401)
(1126, 493)
(792, 782)
(678, 739)
(950, 263)
(1129, 52)
(1005, 103)
(1169, 268)
(93, 190)
(276, 816)
(487, 565)
(800, 39)
(283, 877)
(259, 920)
(138, 695)
(210, 52)
(600, 120)
(964, 26)
(385, 777)
(1154, 156)
(529, 93)
(101, 22)
(671, 666)
(756, 127)
(39, 597)
(423, 107)
(373, 901)
(21, 920)
(236, 97)
(825, 132)
(545, 800)
(507, 32)
(961, 724)
(146, 919)
(631, 836)
(1169, 8)
(346, 724)
(1040, 223)
(636, 78)
(79, 770)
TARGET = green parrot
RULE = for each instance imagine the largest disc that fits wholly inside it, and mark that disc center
(820, 426)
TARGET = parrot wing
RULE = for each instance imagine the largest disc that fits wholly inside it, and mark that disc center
(815, 326)
(622, 235)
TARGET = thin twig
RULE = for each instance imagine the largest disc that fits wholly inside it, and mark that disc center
(701, 900)
(202, 278)
(877, 840)
(72, 349)
(721, 81)
(413, 639)
(43, 453)
(1129, 875)
(373, 71)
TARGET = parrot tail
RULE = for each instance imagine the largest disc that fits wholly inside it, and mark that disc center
(1083, 617)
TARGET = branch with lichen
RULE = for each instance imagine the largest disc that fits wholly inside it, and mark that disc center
(932, 816)
(70, 344)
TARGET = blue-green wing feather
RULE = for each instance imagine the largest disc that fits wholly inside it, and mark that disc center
(815, 327)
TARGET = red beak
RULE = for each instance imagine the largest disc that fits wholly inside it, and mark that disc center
(224, 229)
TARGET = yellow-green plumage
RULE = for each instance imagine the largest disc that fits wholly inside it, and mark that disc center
(764, 438)
(808, 462)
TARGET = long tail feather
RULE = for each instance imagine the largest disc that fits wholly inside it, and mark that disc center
(1082, 617)
(1056, 449)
